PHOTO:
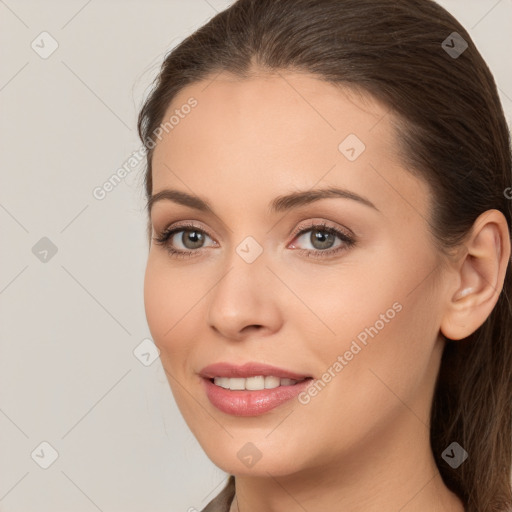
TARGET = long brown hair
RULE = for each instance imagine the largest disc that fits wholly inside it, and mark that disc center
(452, 133)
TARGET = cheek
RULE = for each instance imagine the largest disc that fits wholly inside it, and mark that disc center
(386, 350)
(377, 314)
(166, 301)
(335, 303)
(156, 301)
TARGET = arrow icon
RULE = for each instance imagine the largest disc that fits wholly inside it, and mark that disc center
(44, 250)
(249, 249)
(454, 455)
(351, 147)
(249, 454)
(44, 45)
(146, 352)
(44, 455)
(454, 45)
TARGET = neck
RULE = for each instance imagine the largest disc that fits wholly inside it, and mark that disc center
(393, 471)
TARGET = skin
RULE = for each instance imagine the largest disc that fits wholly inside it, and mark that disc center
(362, 443)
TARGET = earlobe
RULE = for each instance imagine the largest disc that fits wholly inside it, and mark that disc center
(481, 273)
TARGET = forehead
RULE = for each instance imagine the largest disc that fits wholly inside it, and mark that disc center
(281, 108)
(273, 132)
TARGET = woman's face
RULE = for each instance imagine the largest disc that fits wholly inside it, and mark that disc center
(261, 281)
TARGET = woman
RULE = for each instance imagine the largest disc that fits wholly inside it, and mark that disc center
(328, 276)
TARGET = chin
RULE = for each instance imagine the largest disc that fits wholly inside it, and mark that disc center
(258, 459)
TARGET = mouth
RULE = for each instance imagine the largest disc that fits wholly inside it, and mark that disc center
(249, 370)
(251, 389)
(255, 383)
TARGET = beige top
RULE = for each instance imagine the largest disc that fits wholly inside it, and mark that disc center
(222, 502)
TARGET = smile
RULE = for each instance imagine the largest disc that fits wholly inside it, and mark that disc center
(256, 383)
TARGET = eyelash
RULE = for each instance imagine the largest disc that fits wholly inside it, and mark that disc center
(348, 241)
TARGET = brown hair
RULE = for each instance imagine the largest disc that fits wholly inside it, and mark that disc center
(452, 132)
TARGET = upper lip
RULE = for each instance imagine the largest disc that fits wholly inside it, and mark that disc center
(250, 369)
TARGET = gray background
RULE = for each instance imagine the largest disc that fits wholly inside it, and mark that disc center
(70, 321)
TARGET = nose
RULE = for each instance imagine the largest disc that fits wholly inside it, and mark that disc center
(245, 301)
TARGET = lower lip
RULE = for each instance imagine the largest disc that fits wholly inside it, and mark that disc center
(251, 403)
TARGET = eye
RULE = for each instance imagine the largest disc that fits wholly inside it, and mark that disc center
(189, 236)
(192, 238)
(322, 238)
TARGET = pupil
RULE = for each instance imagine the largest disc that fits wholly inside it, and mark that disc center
(190, 238)
(323, 237)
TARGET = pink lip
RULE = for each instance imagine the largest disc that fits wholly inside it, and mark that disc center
(250, 403)
(247, 370)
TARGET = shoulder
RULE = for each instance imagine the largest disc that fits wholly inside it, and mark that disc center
(222, 502)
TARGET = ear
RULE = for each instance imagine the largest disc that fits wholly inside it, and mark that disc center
(480, 273)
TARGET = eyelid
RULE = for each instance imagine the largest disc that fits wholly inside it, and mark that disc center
(315, 223)
(346, 235)
(310, 223)
(186, 224)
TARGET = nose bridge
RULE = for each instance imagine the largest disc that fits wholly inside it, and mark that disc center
(245, 271)
(242, 296)
(249, 250)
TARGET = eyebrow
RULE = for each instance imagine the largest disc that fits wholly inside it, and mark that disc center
(279, 204)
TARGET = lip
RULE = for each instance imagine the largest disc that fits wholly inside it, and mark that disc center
(250, 369)
(251, 403)
(254, 402)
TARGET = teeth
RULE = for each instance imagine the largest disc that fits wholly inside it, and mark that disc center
(256, 383)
